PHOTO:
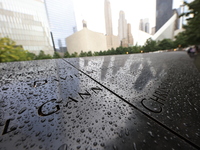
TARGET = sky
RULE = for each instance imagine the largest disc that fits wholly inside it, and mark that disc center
(92, 11)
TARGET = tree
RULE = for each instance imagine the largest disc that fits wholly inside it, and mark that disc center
(119, 50)
(75, 54)
(83, 54)
(192, 29)
(42, 55)
(180, 40)
(165, 44)
(56, 55)
(150, 45)
(96, 54)
(89, 53)
(67, 55)
(136, 49)
(31, 56)
(9, 51)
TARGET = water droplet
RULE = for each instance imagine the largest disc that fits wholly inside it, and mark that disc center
(95, 143)
(82, 130)
(151, 134)
(63, 147)
(127, 132)
(40, 147)
(49, 134)
(78, 140)
(90, 130)
(22, 110)
(109, 113)
(78, 147)
(114, 147)
(38, 133)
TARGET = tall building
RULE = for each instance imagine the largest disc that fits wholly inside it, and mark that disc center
(122, 27)
(25, 22)
(84, 24)
(130, 36)
(124, 31)
(112, 41)
(62, 21)
(168, 30)
(163, 12)
(108, 18)
(141, 25)
(153, 30)
(144, 25)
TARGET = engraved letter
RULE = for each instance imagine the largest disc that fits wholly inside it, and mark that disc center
(5, 130)
(95, 89)
(72, 100)
(156, 98)
(152, 110)
(39, 83)
(42, 114)
(86, 94)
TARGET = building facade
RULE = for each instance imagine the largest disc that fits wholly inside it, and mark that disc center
(122, 26)
(62, 21)
(141, 25)
(167, 31)
(144, 25)
(153, 30)
(163, 12)
(129, 36)
(108, 18)
(183, 9)
(25, 22)
(112, 40)
(124, 31)
(86, 40)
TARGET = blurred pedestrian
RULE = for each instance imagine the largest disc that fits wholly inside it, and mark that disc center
(193, 50)
(189, 50)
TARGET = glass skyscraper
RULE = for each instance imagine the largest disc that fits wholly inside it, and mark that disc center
(163, 12)
(62, 21)
(183, 9)
(25, 22)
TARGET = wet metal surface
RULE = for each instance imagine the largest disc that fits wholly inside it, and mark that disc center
(143, 101)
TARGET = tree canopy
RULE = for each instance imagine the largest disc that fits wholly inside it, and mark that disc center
(192, 29)
(9, 51)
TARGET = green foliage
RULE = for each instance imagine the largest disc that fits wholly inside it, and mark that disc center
(192, 29)
(180, 40)
(75, 54)
(42, 55)
(67, 55)
(96, 54)
(31, 56)
(10, 52)
(150, 46)
(56, 55)
(89, 53)
(135, 49)
(166, 44)
(83, 54)
(118, 51)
